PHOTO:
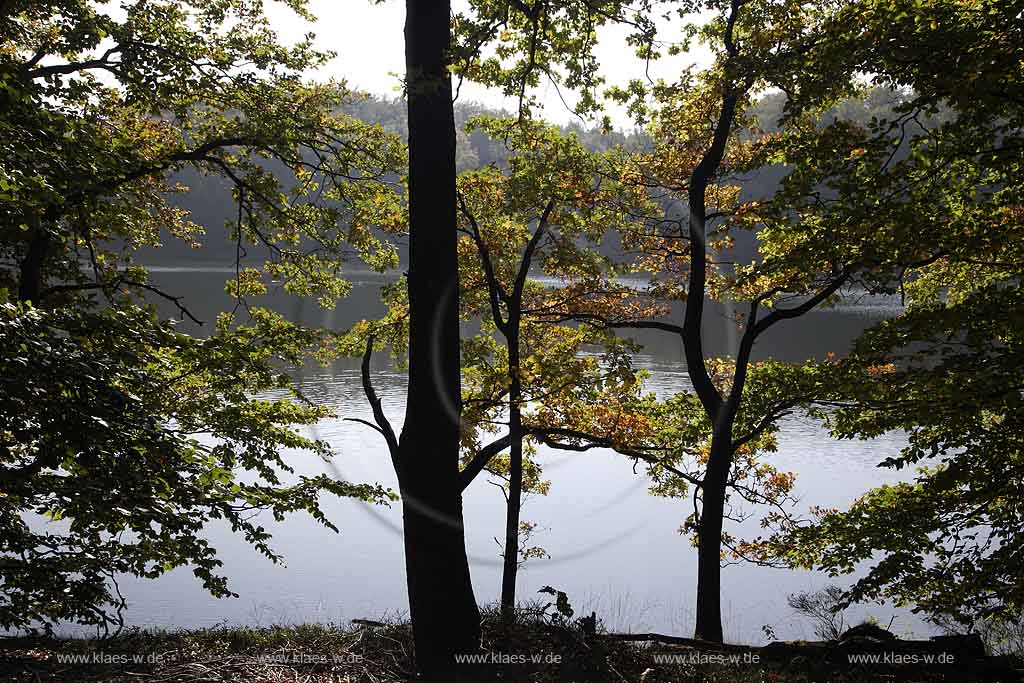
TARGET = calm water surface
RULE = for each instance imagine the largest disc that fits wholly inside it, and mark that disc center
(614, 548)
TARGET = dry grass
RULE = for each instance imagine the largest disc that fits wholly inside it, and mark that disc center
(381, 653)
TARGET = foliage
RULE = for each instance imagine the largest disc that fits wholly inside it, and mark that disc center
(955, 388)
(530, 229)
(713, 435)
(518, 46)
(947, 370)
(540, 222)
(132, 434)
(545, 215)
(917, 193)
(920, 198)
(562, 606)
(122, 439)
(202, 85)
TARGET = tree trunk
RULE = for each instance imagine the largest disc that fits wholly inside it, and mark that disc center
(709, 540)
(515, 484)
(30, 276)
(442, 606)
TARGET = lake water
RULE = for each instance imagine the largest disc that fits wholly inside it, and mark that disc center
(614, 548)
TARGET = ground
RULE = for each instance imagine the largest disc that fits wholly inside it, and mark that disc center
(539, 648)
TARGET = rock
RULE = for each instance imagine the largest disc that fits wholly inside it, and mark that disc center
(867, 632)
(969, 645)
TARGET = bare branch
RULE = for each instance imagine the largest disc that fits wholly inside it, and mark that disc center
(528, 252)
(797, 311)
(546, 436)
(480, 461)
(383, 424)
(117, 282)
(495, 291)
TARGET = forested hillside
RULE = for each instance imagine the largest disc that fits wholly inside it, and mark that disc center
(211, 205)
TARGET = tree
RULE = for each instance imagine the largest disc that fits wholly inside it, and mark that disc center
(443, 609)
(946, 370)
(546, 214)
(851, 212)
(714, 433)
(134, 434)
(542, 40)
(444, 613)
(101, 413)
(825, 609)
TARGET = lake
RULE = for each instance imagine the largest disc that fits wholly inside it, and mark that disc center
(613, 548)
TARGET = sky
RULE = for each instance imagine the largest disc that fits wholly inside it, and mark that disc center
(368, 41)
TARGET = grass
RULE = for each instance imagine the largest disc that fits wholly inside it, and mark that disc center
(381, 652)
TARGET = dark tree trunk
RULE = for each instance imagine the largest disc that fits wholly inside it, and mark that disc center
(721, 414)
(30, 276)
(511, 330)
(709, 533)
(443, 609)
(515, 485)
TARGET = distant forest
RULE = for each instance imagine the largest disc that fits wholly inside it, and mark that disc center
(210, 203)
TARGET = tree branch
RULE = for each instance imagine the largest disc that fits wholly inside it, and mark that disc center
(696, 287)
(383, 424)
(605, 323)
(114, 284)
(545, 435)
(528, 252)
(495, 291)
(797, 311)
(102, 62)
(479, 462)
(764, 423)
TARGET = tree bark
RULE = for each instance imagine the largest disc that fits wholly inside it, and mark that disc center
(511, 330)
(30, 276)
(709, 541)
(510, 570)
(721, 414)
(442, 606)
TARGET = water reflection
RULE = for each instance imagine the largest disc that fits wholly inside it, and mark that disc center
(613, 548)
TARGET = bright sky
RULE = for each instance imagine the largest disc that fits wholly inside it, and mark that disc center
(369, 42)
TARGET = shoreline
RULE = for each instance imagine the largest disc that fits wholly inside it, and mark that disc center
(541, 646)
